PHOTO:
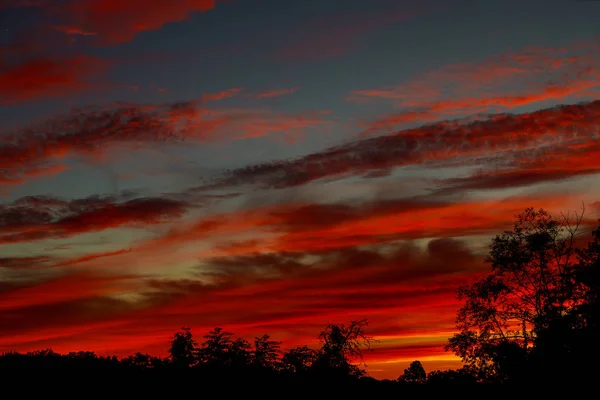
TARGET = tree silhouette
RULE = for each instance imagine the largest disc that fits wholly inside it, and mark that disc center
(529, 288)
(463, 376)
(299, 359)
(266, 352)
(415, 373)
(340, 345)
(587, 275)
(142, 361)
(183, 348)
(238, 353)
(216, 346)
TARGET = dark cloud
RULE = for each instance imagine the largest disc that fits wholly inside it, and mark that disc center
(434, 144)
(91, 132)
(494, 179)
(321, 215)
(42, 217)
(349, 266)
(88, 131)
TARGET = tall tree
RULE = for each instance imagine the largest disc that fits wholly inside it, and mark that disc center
(216, 346)
(266, 352)
(587, 275)
(239, 353)
(183, 348)
(586, 318)
(529, 288)
(415, 373)
(341, 345)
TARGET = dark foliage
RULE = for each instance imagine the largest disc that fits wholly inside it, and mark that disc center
(534, 318)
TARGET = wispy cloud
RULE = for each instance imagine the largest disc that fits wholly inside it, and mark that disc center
(41, 217)
(498, 84)
(267, 94)
(92, 131)
(491, 140)
(113, 21)
(44, 78)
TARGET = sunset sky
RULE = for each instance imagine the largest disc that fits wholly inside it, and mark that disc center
(271, 166)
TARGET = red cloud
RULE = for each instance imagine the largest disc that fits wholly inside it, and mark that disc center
(536, 75)
(38, 218)
(32, 172)
(72, 30)
(437, 110)
(93, 131)
(34, 72)
(267, 94)
(90, 257)
(327, 227)
(116, 21)
(225, 94)
(490, 140)
(59, 290)
(42, 78)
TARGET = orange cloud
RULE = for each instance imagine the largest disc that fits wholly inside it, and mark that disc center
(492, 140)
(41, 78)
(535, 75)
(299, 228)
(437, 110)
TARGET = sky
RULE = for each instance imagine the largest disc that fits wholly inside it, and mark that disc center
(274, 166)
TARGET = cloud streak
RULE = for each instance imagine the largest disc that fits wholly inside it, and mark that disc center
(497, 84)
(93, 131)
(38, 218)
(571, 130)
(45, 78)
(268, 94)
(115, 22)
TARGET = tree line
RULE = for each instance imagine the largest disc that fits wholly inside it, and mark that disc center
(534, 318)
